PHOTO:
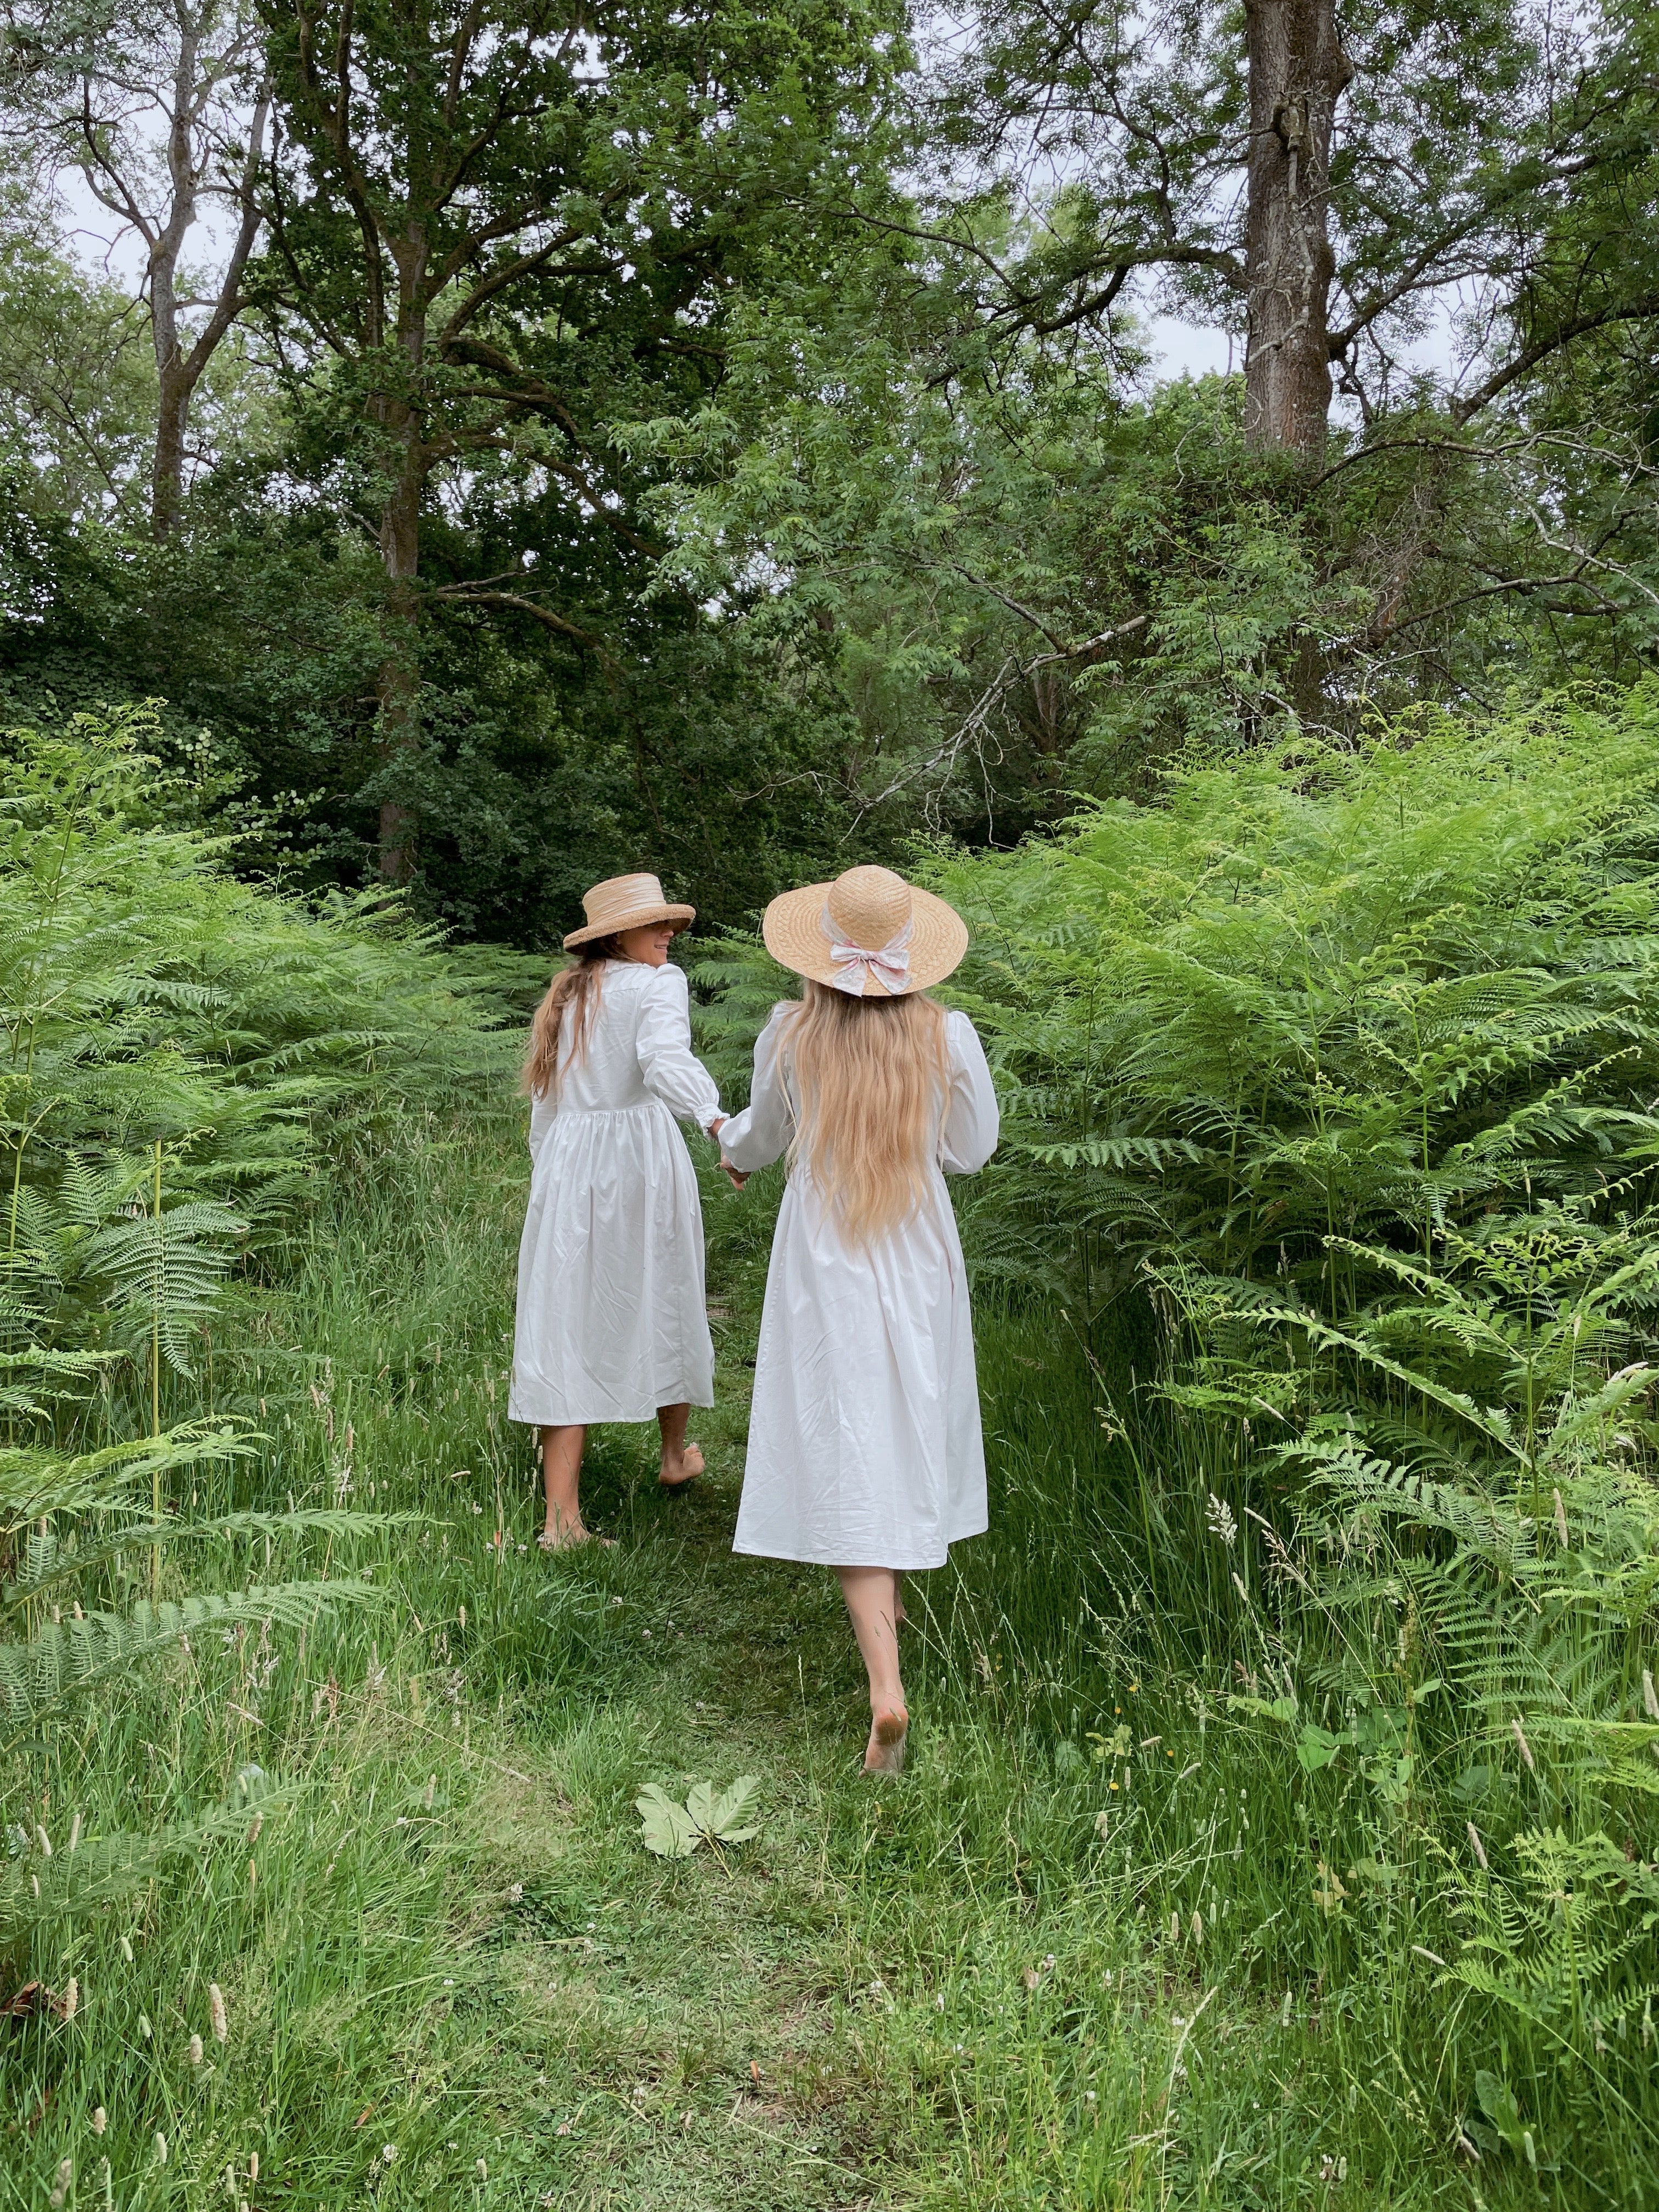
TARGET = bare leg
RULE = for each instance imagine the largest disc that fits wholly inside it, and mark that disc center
(871, 1596)
(681, 1463)
(561, 1470)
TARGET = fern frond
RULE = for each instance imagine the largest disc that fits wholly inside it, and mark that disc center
(66, 1658)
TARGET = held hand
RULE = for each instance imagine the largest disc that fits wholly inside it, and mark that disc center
(733, 1175)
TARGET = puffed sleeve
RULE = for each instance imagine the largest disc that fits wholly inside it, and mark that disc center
(968, 1133)
(672, 1071)
(761, 1133)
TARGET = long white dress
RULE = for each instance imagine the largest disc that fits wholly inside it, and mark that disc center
(864, 1448)
(611, 1323)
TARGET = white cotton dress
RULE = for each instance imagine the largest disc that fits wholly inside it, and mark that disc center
(611, 1323)
(864, 1448)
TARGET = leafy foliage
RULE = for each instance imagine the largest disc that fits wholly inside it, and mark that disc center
(183, 1052)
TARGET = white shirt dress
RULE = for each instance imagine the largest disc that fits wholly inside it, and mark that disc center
(864, 1448)
(611, 1323)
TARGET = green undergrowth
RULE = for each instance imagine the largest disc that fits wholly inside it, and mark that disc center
(1056, 1965)
(1277, 1829)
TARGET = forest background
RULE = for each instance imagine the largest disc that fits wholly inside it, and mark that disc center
(451, 455)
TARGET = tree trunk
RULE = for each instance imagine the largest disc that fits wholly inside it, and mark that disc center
(167, 487)
(401, 419)
(174, 381)
(1297, 72)
(398, 686)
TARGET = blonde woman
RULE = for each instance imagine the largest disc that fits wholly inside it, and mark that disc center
(611, 1324)
(865, 1451)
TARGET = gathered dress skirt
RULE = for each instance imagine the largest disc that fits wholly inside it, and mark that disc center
(611, 1324)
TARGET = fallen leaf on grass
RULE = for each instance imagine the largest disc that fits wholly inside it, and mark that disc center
(33, 1997)
(674, 1831)
(670, 1831)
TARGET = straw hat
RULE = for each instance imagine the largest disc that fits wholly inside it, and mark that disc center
(869, 933)
(626, 903)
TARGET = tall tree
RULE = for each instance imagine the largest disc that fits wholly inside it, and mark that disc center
(507, 223)
(1314, 180)
(162, 109)
(1297, 71)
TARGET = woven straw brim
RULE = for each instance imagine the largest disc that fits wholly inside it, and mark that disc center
(793, 929)
(638, 917)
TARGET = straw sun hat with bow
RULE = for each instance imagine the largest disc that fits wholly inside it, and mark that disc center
(868, 933)
(626, 903)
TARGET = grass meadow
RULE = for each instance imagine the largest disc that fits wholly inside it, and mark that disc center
(1279, 1826)
(1078, 1956)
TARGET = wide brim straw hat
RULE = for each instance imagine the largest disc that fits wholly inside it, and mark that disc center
(868, 933)
(626, 903)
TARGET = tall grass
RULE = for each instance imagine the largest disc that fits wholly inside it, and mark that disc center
(231, 1454)
(1316, 1279)
(334, 1853)
(1282, 1826)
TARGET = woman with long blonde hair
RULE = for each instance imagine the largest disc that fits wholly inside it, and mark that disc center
(865, 1450)
(611, 1324)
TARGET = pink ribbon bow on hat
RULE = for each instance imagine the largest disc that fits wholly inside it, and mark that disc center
(854, 962)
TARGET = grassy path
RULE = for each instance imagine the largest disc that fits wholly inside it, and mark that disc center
(1016, 1977)
(863, 2006)
(1031, 1973)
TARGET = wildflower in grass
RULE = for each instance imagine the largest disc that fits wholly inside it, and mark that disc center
(65, 2175)
(75, 1833)
(1198, 1926)
(1649, 1695)
(144, 2027)
(196, 2053)
(388, 2153)
(1526, 1748)
(126, 1949)
(1475, 1843)
(252, 2165)
(217, 2014)
(71, 1998)
(483, 2171)
(160, 2147)
(1220, 1514)
(257, 1824)
(42, 1841)
(1561, 1522)
(99, 2120)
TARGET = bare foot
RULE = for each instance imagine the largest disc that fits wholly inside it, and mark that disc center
(885, 1752)
(681, 1466)
(567, 1535)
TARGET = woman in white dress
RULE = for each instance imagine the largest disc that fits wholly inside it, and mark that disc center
(865, 1450)
(611, 1324)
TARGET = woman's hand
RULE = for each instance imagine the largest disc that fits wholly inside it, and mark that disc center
(733, 1175)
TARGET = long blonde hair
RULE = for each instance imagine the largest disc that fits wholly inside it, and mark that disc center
(574, 991)
(870, 1076)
